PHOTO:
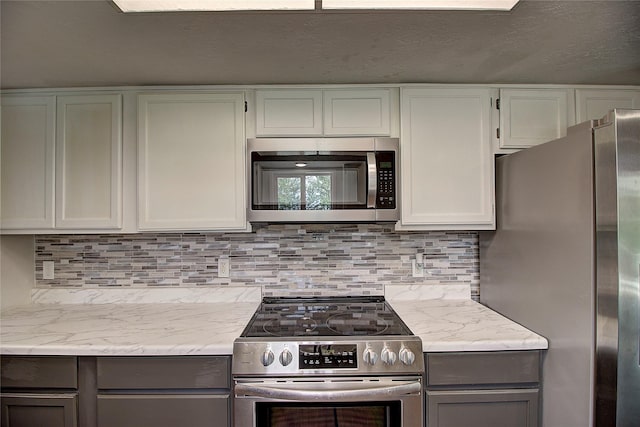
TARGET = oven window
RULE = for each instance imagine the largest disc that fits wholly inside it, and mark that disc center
(374, 414)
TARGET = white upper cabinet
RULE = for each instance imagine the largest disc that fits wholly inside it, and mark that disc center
(288, 113)
(28, 162)
(89, 162)
(192, 166)
(357, 112)
(61, 162)
(593, 104)
(533, 116)
(330, 112)
(446, 159)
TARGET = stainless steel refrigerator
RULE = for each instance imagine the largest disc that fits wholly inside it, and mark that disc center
(565, 262)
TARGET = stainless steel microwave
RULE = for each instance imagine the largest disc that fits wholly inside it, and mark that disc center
(323, 179)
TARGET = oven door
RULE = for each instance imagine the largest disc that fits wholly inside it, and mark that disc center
(313, 402)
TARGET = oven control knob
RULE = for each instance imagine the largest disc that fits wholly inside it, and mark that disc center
(388, 356)
(370, 357)
(286, 357)
(267, 357)
(406, 356)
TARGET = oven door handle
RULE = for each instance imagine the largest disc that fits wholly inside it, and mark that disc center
(306, 394)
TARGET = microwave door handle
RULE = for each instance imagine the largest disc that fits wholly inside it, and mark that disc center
(372, 185)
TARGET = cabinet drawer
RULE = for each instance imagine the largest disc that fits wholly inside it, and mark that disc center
(163, 410)
(39, 372)
(45, 410)
(471, 368)
(483, 408)
(193, 372)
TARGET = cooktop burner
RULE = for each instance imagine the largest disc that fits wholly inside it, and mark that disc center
(326, 317)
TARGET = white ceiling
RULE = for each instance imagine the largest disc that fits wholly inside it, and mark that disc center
(91, 43)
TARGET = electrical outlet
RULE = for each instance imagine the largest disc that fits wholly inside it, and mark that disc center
(223, 267)
(48, 270)
(417, 268)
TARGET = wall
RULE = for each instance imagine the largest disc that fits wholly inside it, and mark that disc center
(16, 270)
(284, 259)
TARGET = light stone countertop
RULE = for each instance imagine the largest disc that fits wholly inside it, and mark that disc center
(108, 324)
(124, 329)
(464, 325)
(447, 319)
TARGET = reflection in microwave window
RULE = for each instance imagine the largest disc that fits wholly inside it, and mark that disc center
(314, 190)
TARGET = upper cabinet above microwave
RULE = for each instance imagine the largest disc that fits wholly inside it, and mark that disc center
(331, 112)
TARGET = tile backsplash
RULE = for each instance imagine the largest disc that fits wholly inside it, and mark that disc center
(309, 259)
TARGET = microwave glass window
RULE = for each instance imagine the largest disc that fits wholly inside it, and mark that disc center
(311, 192)
(321, 182)
(289, 192)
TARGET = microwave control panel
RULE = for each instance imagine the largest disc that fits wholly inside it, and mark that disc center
(386, 192)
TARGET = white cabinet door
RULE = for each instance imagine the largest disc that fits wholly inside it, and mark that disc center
(533, 116)
(357, 112)
(288, 113)
(446, 159)
(593, 104)
(191, 153)
(89, 162)
(28, 135)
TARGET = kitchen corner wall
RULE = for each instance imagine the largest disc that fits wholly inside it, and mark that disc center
(352, 259)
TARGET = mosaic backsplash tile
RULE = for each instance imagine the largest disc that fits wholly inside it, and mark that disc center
(310, 259)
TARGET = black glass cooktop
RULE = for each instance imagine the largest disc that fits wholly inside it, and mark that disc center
(332, 316)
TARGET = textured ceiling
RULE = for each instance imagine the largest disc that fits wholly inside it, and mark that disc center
(91, 43)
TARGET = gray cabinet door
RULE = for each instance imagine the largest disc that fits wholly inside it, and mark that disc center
(163, 410)
(482, 408)
(41, 410)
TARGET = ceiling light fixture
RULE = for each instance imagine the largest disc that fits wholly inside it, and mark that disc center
(421, 4)
(211, 5)
(238, 5)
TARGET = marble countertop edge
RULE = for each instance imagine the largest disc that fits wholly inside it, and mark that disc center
(128, 351)
(502, 345)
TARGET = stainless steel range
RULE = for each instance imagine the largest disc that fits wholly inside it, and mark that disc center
(327, 361)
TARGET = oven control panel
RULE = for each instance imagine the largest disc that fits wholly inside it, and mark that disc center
(327, 356)
(401, 355)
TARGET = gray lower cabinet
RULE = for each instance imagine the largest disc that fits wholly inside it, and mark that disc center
(39, 391)
(483, 408)
(483, 389)
(137, 391)
(41, 410)
(163, 410)
(159, 391)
